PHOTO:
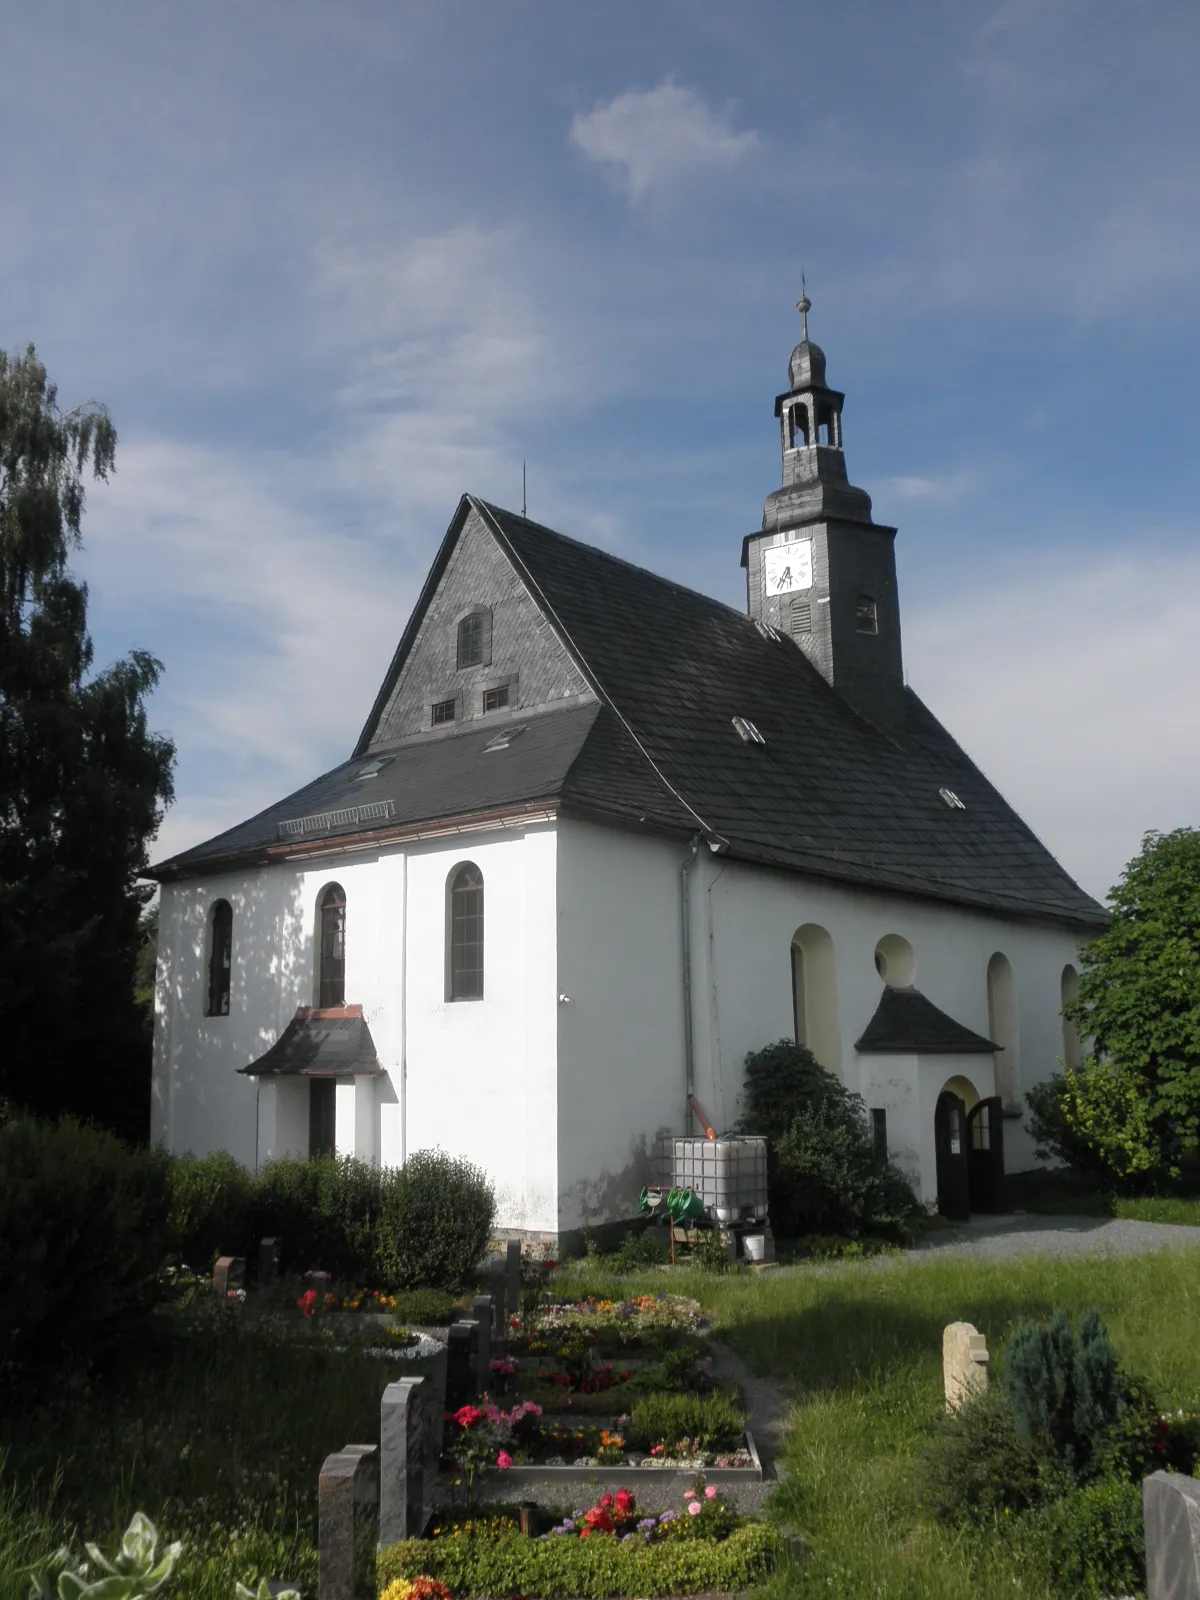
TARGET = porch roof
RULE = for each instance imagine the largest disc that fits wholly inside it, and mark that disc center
(906, 1023)
(330, 1043)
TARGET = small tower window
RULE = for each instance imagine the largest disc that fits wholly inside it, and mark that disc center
(331, 970)
(495, 699)
(801, 616)
(475, 639)
(441, 711)
(220, 959)
(866, 614)
(799, 426)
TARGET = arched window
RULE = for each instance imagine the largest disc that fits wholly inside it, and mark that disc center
(1003, 1029)
(331, 947)
(220, 958)
(814, 995)
(1072, 1050)
(866, 614)
(475, 639)
(464, 941)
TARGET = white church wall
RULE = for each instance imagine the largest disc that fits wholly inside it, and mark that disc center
(481, 1077)
(620, 1027)
(892, 1083)
(481, 1074)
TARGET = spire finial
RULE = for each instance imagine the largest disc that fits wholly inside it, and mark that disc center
(803, 306)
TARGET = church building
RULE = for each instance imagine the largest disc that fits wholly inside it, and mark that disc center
(601, 836)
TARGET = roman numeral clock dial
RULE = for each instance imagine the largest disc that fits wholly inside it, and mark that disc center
(788, 567)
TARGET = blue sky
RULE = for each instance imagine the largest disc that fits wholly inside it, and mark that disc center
(330, 265)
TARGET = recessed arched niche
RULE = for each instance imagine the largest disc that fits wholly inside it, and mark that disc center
(1004, 1029)
(895, 961)
(1072, 1049)
(814, 995)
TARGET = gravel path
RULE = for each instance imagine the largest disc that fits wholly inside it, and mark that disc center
(1029, 1235)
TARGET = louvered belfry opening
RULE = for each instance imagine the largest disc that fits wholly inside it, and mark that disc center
(332, 970)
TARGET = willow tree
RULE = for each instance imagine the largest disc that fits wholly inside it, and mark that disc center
(83, 782)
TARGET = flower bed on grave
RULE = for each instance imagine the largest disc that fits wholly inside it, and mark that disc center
(642, 1323)
(603, 1549)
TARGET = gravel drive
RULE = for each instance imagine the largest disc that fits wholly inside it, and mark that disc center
(1029, 1235)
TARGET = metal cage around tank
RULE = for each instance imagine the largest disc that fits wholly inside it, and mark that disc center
(728, 1175)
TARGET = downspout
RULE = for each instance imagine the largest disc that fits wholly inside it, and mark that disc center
(404, 1013)
(685, 903)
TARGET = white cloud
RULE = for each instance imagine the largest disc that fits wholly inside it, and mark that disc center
(916, 489)
(658, 137)
(1074, 690)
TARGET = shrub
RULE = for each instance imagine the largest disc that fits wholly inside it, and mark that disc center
(435, 1221)
(426, 1307)
(824, 1173)
(709, 1421)
(83, 1235)
(501, 1561)
(1065, 1389)
(327, 1210)
(709, 1252)
(212, 1200)
(1098, 1118)
(1090, 1542)
(977, 1465)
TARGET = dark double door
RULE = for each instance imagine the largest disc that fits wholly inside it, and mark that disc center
(970, 1156)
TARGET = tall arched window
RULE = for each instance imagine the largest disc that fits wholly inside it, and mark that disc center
(464, 952)
(331, 948)
(475, 639)
(814, 995)
(220, 959)
(1002, 1027)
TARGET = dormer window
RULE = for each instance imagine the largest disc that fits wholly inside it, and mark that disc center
(475, 639)
(440, 712)
(866, 615)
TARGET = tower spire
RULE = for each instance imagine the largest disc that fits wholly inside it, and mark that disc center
(803, 306)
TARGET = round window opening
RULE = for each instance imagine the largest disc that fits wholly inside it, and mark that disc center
(895, 962)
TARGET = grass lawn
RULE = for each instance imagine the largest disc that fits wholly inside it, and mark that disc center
(1060, 1193)
(859, 1349)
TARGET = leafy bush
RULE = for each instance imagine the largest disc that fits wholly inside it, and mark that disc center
(211, 1208)
(500, 1561)
(823, 1170)
(709, 1252)
(327, 1210)
(1098, 1118)
(426, 1307)
(709, 1421)
(435, 1221)
(1090, 1542)
(977, 1466)
(83, 1235)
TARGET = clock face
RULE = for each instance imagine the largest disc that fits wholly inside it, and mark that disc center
(788, 566)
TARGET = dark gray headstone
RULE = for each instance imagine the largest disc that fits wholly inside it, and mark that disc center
(270, 1252)
(348, 1520)
(1171, 1509)
(481, 1311)
(229, 1275)
(512, 1277)
(461, 1357)
(402, 1427)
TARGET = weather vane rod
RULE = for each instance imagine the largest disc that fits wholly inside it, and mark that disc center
(803, 306)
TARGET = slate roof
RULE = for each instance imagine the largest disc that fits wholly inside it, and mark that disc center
(320, 1044)
(906, 1023)
(828, 793)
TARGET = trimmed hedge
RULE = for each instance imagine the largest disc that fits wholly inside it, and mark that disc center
(504, 1562)
(83, 1236)
(425, 1225)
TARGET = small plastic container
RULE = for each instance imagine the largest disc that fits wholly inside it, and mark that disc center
(755, 1246)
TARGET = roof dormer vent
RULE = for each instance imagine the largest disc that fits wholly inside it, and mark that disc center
(747, 732)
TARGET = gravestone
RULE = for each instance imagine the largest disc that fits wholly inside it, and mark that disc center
(402, 1465)
(348, 1522)
(512, 1277)
(229, 1275)
(481, 1311)
(270, 1252)
(462, 1352)
(964, 1363)
(1171, 1511)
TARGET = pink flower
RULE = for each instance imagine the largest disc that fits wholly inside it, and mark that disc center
(694, 1509)
(503, 1460)
(711, 1492)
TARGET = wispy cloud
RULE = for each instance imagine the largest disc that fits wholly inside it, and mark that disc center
(655, 138)
(943, 490)
(1074, 690)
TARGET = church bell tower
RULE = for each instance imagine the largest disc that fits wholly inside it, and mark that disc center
(821, 571)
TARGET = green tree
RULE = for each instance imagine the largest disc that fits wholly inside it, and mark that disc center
(83, 783)
(1135, 1102)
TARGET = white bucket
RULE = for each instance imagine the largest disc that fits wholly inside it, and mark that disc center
(755, 1246)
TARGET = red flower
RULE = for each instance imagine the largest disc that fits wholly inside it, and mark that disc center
(307, 1303)
(625, 1503)
(468, 1416)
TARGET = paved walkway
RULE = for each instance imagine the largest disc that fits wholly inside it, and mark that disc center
(1026, 1235)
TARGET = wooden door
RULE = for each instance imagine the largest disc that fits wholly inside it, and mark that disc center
(953, 1171)
(986, 1155)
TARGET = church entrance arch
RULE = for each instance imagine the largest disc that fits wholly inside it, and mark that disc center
(985, 1154)
(969, 1145)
